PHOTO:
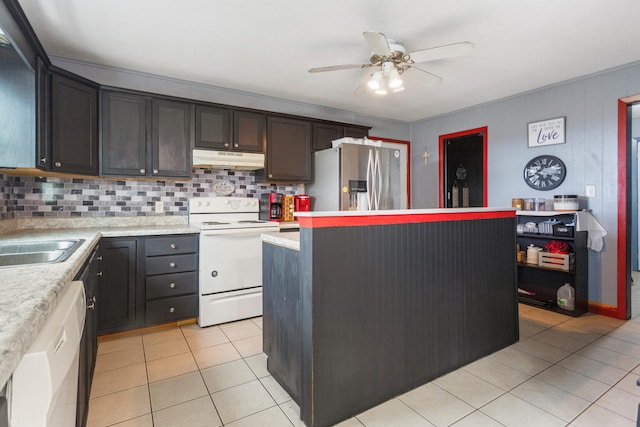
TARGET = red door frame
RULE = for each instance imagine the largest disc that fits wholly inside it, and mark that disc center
(620, 311)
(408, 144)
(483, 130)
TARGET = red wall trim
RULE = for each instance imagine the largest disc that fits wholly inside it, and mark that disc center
(365, 220)
(408, 144)
(485, 138)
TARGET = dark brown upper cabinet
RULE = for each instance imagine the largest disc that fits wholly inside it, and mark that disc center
(324, 133)
(214, 130)
(145, 136)
(74, 126)
(248, 131)
(288, 156)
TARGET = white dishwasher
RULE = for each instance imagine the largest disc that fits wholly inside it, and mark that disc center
(45, 384)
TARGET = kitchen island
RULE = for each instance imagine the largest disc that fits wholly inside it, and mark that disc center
(364, 306)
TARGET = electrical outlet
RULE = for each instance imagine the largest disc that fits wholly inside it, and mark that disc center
(590, 190)
(160, 207)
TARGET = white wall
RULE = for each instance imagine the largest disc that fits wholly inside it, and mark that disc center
(163, 85)
(590, 153)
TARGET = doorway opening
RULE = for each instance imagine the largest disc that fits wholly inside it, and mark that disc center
(463, 169)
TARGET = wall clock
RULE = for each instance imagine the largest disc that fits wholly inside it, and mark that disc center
(544, 172)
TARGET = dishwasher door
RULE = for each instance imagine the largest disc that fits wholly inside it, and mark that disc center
(45, 383)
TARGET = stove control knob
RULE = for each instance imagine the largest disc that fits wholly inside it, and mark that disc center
(227, 202)
(196, 203)
(205, 203)
(214, 273)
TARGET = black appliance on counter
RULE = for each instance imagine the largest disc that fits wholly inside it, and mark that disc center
(271, 206)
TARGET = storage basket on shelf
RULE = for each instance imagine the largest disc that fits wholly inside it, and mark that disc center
(557, 261)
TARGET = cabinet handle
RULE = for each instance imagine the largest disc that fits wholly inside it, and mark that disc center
(235, 145)
(226, 144)
(43, 160)
(99, 258)
(172, 310)
(92, 306)
(172, 264)
(99, 273)
(58, 164)
(173, 246)
(155, 171)
(172, 285)
(270, 175)
(143, 171)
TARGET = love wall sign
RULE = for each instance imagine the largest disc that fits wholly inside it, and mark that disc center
(546, 132)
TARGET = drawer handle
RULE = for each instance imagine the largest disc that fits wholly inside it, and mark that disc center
(172, 310)
(99, 258)
(143, 171)
(173, 246)
(172, 264)
(58, 164)
(172, 285)
(99, 273)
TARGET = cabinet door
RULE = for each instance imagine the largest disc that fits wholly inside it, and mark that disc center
(124, 134)
(288, 150)
(43, 116)
(324, 133)
(248, 131)
(74, 126)
(212, 128)
(116, 296)
(171, 139)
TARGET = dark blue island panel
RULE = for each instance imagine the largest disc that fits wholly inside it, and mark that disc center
(372, 306)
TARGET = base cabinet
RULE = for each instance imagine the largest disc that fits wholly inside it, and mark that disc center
(89, 342)
(171, 278)
(147, 281)
(538, 283)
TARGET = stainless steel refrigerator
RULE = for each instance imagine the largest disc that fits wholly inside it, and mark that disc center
(360, 176)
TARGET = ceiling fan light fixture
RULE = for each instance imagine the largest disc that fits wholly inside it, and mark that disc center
(394, 79)
(375, 82)
(380, 91)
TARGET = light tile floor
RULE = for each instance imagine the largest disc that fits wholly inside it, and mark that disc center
(564, 371)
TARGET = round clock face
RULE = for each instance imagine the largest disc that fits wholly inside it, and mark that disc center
(544, 172)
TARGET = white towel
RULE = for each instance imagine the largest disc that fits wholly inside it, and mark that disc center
(595, 232)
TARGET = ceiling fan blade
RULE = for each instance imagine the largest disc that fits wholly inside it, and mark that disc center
(440, 52)
(431, 79)
(337, 67)
(377, 43)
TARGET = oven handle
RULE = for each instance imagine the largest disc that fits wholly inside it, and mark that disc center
(239, 231)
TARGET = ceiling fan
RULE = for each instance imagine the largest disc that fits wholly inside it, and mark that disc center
(391, 60)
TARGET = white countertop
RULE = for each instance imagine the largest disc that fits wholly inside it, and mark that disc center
(289, 239)
(28, 294)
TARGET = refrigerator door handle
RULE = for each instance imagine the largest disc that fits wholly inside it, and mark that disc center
(378, 174)
(370, 179)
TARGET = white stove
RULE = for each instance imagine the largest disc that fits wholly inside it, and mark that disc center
(230, 272)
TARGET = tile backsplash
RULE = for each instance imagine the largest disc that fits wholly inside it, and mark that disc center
(29, 197)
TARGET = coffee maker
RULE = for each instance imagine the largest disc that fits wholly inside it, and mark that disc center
(271, 207)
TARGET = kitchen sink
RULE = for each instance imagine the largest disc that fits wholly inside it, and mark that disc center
(49, 251)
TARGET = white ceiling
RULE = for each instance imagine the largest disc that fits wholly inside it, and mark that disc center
(266, 47)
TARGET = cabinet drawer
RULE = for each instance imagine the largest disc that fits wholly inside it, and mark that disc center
(168, 245)
(171, 264)
(168, 285)
(171, 309)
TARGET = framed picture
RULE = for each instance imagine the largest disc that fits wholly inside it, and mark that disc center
(546, 132)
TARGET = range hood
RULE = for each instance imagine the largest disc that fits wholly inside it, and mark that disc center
(227, 160)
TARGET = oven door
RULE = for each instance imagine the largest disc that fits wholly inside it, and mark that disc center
(230, 260)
